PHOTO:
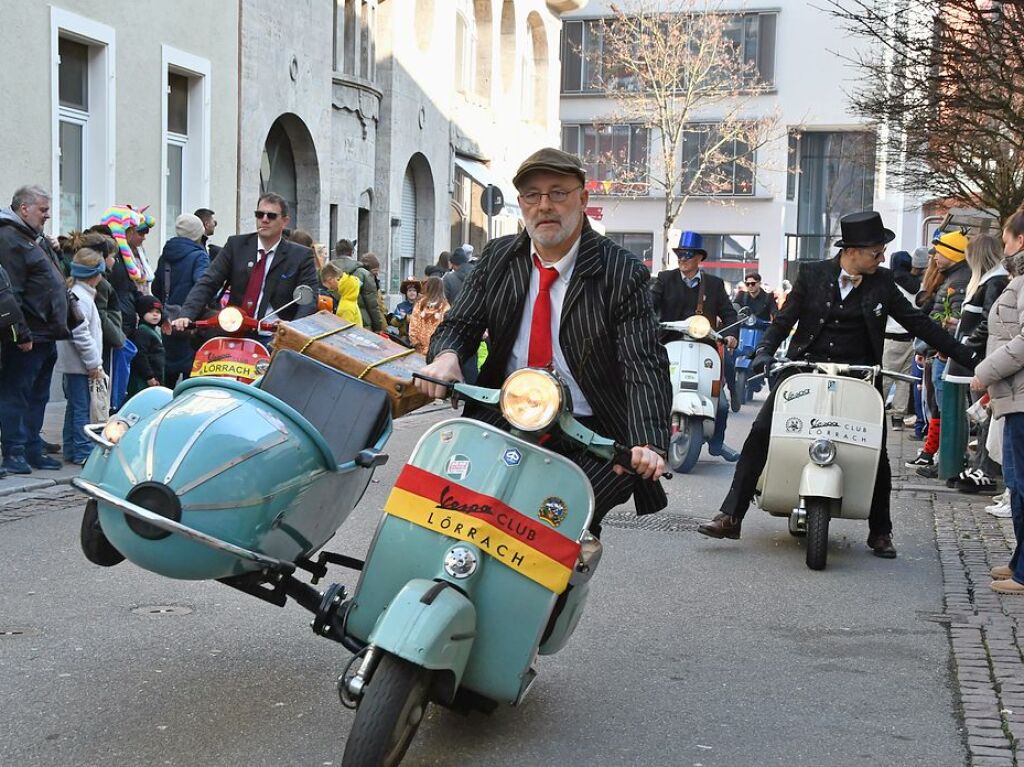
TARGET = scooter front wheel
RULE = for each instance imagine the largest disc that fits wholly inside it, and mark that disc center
(817, 532)
(389, 714)
(684, 449)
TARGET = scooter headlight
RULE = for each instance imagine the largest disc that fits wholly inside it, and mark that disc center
(230, 319)
(699, 326)
(115, 429)
(531, 399)
(823, 452)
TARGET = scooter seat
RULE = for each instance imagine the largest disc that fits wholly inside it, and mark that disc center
(350, 414)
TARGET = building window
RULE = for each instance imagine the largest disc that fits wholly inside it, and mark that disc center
(752, 34)
(83, 119)
(186, 136)
(731, 256)
(640, 244)
(713, 167)
(792, 164)
(615, 156)
(465, 47)
(837, 177)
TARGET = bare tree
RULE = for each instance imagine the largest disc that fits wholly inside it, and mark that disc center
(942, 80)
(678, 68)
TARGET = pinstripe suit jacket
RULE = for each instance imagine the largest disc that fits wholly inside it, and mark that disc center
(608, 335)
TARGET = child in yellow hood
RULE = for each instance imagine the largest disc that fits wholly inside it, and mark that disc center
(348, 299)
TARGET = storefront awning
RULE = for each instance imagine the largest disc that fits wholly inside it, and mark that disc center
(484, 176)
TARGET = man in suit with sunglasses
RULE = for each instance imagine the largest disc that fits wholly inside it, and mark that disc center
(261, 269)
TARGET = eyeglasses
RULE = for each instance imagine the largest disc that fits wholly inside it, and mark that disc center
(267, 214)
(555, 195)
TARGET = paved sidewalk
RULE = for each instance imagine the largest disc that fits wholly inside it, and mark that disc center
(53, 426)
(983, 625)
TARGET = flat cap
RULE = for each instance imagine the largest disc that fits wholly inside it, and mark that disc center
(554, 161)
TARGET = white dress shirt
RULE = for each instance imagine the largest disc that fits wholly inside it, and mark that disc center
(521, 349)
(844, 290)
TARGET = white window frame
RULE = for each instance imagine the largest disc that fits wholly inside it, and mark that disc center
(466, 66)
(195, 170)
(99, 137)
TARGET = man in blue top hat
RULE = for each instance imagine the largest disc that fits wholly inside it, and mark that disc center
(686, 291)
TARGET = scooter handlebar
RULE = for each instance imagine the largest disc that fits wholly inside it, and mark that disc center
(440, 382)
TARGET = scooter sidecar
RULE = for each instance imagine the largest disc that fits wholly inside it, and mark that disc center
(223, 478)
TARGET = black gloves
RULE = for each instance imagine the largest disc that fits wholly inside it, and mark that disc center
(968, 356)
(762, 361)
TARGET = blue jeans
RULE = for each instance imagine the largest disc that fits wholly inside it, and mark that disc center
(938, 367)
(1013, 453)
(915, 370)
(24, 392)
(76, 389)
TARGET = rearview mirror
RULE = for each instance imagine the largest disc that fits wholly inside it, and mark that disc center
(303, 295)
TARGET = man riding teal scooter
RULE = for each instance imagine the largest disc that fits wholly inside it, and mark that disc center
(560, 296)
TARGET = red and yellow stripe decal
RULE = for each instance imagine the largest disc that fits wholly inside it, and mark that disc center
(517, 541)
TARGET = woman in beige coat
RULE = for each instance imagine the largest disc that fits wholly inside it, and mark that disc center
(1002, 374)
(427, 314)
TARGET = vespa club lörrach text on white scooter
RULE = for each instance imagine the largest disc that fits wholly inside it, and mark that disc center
(824, 447)
(695, 368)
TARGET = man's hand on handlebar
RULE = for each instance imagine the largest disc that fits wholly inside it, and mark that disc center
(645, 463)
(730, 342)
(446, 367)
(182, 323)
(762, 362)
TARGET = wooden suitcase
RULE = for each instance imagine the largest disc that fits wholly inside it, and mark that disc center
(359, 352)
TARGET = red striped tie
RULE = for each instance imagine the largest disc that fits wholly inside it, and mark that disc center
(540, 325)
(255, 285)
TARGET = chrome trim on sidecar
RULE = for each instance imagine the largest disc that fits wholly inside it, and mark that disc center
(259, 448)
(176, 527)
(192, 440)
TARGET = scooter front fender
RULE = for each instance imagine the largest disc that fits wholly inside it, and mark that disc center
(690, 403)
(821, 481)
(432, 624)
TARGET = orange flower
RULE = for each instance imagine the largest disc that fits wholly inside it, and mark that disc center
(950, 291)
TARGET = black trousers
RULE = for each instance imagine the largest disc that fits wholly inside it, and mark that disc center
(754, 455)
(610, 489)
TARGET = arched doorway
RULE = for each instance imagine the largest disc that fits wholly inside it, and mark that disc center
(289, 167)
(416, 235)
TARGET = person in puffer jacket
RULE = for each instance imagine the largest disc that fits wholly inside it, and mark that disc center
(1001, 373)
(182, 262)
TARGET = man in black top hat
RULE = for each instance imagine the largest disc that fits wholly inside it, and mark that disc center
(840, 307)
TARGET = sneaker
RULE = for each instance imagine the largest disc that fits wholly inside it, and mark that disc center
(923, 459)
(14, 464)
(1001, 572)
(895, 423)
(974, 481)
(1001, 510)
(910, 420)
(1007, 586)
(43, 461)
(928, 472)
(916, 438)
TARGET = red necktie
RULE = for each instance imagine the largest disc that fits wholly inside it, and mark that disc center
(540, 325)
(252, 290)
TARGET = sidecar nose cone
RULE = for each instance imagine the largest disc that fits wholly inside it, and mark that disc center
(158, 498)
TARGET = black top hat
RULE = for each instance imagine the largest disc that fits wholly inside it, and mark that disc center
(862, 230)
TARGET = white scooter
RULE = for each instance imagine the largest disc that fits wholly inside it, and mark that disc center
(823, 450)
(695, 368)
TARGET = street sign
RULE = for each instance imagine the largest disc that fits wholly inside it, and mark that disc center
(492, 200)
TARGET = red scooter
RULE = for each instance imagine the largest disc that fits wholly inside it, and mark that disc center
(233, 355)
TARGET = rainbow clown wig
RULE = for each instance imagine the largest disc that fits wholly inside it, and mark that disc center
(119, 219)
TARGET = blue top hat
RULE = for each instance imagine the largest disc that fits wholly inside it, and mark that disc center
(690, 243)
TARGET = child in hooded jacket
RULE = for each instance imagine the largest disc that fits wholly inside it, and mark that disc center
(80, 358)
(348, 299)
(148, 363)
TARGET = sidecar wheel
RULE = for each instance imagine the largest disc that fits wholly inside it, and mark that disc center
(389, 714)
(684, 449)
(817, 533)
(95, 546)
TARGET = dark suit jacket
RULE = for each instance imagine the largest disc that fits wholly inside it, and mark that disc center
(293, 265)
(808, 304)
(670, 300)
(608, 336)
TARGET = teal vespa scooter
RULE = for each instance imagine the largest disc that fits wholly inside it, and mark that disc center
(480, 563)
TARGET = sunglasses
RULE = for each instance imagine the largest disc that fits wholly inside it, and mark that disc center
(751, 282)
(267, 214)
